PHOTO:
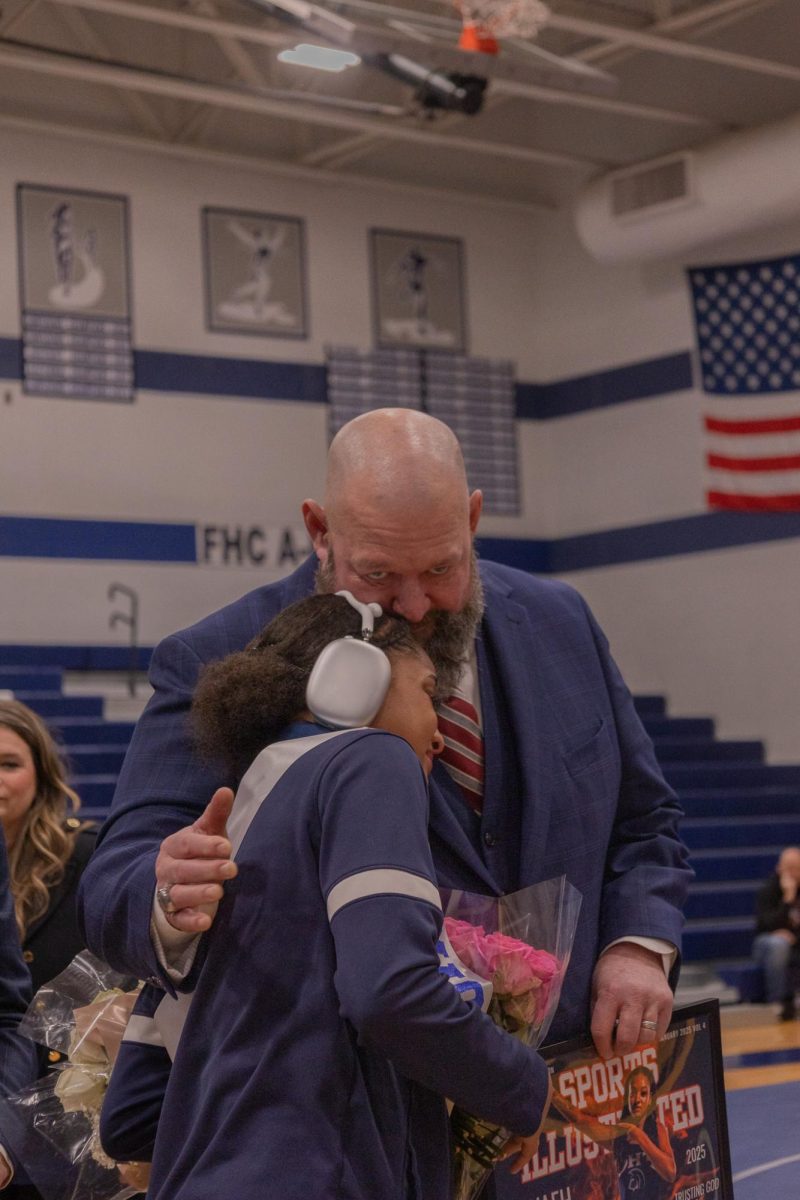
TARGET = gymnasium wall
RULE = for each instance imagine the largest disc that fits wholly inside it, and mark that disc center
(233, 467)
(609, 428)
(701, 606)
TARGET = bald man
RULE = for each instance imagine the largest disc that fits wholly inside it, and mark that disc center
(570, 784)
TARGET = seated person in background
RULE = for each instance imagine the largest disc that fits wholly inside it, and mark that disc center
(17, 1054)
(776, 947)
(48, 847)
(321, 1039)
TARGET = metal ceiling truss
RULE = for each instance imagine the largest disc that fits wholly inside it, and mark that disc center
(421, 35)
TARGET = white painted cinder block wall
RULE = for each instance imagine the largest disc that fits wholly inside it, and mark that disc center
(200, 458)
(718, 632)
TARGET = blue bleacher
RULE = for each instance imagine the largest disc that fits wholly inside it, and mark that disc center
(740, 811)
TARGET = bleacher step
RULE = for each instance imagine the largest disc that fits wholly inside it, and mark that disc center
(735, 775)
(87, 731)
(703, 750)
(709, 833)
(718, 937)
(33, 680)
(723, 899)
(650, 706)
(737, 864)
(740, 802)
(96, 760)
(688, 727)
(49, 706)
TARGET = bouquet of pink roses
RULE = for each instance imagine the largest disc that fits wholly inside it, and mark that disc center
(509, 954)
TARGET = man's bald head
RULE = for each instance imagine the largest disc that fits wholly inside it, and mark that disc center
(395, 460)
(398, 520)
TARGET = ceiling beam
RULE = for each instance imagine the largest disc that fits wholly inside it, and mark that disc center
(266, 101)
(9, 21)
(181, 20)
(249, 33)
(602, 30)
(142, 112)
(707, 18)
(674, 47)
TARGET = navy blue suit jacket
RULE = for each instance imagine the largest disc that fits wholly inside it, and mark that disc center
(592, 801)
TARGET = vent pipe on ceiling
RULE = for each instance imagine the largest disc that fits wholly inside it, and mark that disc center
(678, 203)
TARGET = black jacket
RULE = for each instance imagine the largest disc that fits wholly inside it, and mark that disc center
(772, 911)
(53, 940)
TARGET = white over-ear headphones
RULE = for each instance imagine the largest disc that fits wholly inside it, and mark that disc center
(349, 681)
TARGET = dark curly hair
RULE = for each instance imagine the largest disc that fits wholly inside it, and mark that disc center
(244, 701)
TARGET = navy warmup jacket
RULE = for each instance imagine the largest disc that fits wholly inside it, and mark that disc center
(321, 1039)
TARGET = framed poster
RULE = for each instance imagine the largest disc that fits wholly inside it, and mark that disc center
(75, 293)
(418, 290)
(254, 273)
(650, 1125)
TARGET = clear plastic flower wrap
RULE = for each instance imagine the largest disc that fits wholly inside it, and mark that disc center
(510, 955)
(52, 1126)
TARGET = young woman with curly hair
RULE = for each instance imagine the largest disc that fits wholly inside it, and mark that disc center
(48, 846)
(321, 1039)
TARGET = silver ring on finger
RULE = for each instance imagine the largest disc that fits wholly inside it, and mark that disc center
(164, 898)
(651, 1025)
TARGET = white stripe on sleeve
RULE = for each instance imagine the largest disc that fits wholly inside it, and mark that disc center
(143, 1030)
(380, 882)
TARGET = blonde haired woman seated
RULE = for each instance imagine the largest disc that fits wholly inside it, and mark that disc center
(48, 846)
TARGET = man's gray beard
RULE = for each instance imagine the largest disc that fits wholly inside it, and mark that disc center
(449, 643)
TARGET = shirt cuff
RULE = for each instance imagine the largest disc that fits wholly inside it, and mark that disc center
(667, 951)
(174, 948)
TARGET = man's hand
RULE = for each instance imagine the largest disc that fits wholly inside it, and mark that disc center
(629, 986)
(194, 862)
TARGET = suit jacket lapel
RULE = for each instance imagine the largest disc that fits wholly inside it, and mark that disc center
(521, 656)
(444, 823)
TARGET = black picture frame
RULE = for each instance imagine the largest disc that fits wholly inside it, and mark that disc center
(688, 1099)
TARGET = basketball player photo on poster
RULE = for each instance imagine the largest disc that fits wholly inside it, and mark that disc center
(255, 273)
(418, 291)
(649, 1125)
(75, 299)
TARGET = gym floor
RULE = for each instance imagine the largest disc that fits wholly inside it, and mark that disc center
(762, 1083)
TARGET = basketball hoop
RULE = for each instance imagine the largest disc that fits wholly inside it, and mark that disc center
(487, 20)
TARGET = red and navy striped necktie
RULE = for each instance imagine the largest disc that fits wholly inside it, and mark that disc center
(463, 748)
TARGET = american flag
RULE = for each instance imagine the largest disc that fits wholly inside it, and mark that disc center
(747, 318)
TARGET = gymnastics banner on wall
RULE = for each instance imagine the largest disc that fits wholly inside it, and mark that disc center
(75, 293)
(649, 1125)
(747, 317)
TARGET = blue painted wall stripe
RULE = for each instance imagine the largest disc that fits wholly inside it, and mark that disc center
(526, 554)
(253, 378)
(43, 537)
(665, 539)
(262, 379)
(133, 541)
(601, 389)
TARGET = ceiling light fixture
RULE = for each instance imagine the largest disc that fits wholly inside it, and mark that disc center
(322, 58)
